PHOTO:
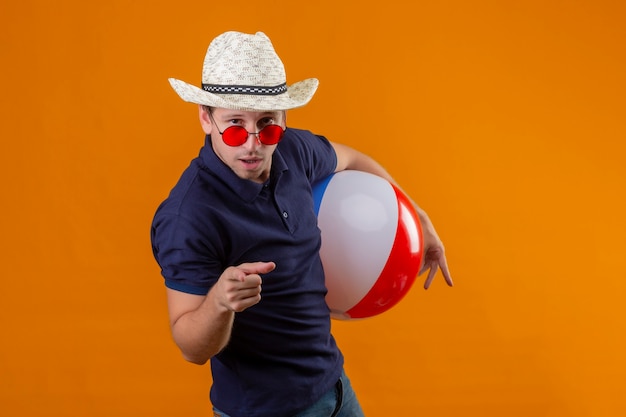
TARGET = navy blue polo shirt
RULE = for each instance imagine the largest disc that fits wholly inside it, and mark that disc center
(281, 357)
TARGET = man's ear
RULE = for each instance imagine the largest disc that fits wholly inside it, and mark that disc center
(205, 120)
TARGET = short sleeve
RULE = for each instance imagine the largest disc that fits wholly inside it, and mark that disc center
(187, 260)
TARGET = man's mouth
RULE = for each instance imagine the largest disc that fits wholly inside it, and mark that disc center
(251, 162)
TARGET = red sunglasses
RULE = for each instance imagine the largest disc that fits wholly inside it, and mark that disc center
(238, 135)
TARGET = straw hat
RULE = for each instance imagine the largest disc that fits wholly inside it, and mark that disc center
(243, 72)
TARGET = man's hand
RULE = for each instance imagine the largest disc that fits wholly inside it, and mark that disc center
(239, 287)
(434, 257)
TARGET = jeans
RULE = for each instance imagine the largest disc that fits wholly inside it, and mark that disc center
(340, 401)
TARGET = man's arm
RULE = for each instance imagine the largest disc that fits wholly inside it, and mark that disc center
(201, 325)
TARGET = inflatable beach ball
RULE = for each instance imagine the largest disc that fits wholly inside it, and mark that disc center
(372, 244)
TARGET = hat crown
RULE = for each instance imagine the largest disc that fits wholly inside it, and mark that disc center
(240, 59)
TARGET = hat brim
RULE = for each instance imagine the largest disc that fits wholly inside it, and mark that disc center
(297, 95)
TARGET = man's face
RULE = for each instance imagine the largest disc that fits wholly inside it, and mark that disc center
(252, 160)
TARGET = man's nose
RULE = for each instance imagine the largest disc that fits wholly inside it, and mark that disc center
(255, 140)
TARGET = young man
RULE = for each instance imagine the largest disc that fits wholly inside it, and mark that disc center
(238, 243)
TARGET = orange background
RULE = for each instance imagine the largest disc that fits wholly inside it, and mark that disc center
(504, 120)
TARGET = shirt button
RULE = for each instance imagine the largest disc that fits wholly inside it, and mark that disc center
(285, 215)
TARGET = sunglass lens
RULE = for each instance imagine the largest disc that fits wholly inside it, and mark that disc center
(271, 134)
(235, 136)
